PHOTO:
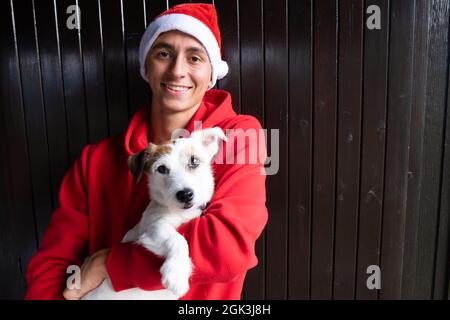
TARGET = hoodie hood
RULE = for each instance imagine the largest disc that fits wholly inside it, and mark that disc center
(214, 109)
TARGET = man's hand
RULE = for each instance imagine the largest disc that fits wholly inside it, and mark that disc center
(93, 272)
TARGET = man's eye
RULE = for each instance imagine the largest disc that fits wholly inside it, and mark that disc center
(163, 169)
(193, 162)
(163, 54)
(196, 59)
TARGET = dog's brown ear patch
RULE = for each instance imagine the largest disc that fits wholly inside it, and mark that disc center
(140, 162)
(163, 149)
(157, 152)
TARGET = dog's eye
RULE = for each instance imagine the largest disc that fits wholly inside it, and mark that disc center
(162, 169)
(193, 162)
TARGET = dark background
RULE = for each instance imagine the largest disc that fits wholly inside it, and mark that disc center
(364, 131)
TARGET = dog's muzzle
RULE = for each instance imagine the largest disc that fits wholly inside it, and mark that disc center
(185, 196)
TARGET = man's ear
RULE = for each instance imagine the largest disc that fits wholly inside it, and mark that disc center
(138, 163)
(210, 139)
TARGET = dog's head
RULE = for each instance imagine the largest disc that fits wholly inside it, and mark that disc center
(179, 170)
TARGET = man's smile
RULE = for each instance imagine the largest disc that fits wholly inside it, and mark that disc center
(175, 89)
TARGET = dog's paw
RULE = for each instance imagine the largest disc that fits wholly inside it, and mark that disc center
(175, 275)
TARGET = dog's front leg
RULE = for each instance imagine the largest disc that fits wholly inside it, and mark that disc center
(177, 267)
(131, 235)
(164, 240)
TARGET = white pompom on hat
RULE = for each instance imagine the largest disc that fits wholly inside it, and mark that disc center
(196, 19)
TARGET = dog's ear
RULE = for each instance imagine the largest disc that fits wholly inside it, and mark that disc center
(210, 138)
(138, 163)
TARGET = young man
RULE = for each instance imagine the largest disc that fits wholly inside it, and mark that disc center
(100, 200)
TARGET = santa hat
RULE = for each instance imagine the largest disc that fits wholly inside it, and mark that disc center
(196, 19)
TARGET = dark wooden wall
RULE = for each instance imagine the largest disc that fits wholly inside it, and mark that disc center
(364, 175)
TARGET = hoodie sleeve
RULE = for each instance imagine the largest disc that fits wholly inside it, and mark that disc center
(65, 240)
(221, 242)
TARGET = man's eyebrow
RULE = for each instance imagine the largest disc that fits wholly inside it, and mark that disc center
(197, 50)
(165, 45)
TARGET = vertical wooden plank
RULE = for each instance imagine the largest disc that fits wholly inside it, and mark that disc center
(115, 66)
(429, 215)
(324, 162)
(53, 95)
(348, 147)
(153, 8)
(134, 20)
(424, 260)
(73, 81)
(252, 100)
(18, 226)
(94, 71)
(300, 147)
(442, 277)
(173, 3)
(373, 138)
(416, 151)
(276, 115)
(8, 269)
(398, 129)
(228, 14)
(34, 113)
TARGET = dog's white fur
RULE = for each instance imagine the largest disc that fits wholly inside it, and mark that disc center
(156, 230)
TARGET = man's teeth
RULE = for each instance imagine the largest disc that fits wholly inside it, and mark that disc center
(175, 88)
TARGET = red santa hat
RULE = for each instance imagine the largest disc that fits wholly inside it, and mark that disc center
(196, 19)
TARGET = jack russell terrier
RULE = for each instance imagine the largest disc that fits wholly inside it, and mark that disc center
(181, 183)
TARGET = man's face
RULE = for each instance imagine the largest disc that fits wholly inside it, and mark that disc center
(179, 72)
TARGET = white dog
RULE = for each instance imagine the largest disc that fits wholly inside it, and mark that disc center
(181, 184)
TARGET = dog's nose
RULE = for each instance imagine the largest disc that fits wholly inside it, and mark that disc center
(186, 195)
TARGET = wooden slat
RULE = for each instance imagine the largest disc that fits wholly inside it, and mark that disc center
(138, 89)
(153, 8)
(300, 147)
(324, 161)
(276, 116)
(348, 147)
(436, 96)
(372, 149)
(34, 112)
(173, 3)
(8, 269)
(73, 81)
(441, 273)
(423, 221)
(416, 151)
(252, 100)
(115, 66)
(228, 14)
(18, 225)
(53, 95)
(93, 71)
(398, 128)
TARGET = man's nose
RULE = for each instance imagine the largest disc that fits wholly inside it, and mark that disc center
(178, 67)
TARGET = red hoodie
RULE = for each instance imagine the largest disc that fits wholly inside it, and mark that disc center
(100, 201)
